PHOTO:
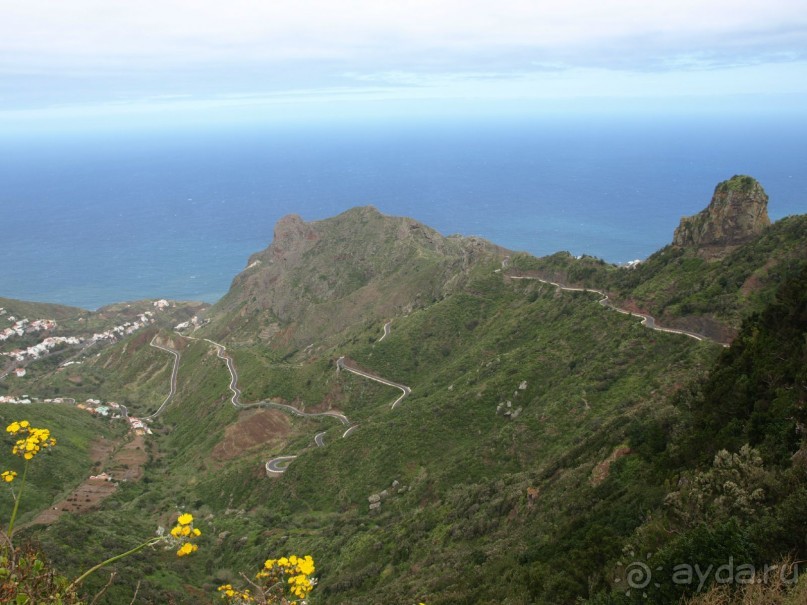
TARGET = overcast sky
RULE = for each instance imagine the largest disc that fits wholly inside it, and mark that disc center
(63, 59)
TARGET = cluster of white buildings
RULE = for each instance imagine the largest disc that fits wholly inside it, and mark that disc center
(193, 321)
(130, 327)
(138, 426)
(12, 399)
(38, 350)
(27, 399)
(110, 409)
(24, 326)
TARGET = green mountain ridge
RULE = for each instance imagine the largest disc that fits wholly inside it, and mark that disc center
(545, 434)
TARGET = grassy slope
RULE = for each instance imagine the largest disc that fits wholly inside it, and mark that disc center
(464, 530)
(53, 473)
(448, 446)
(484, 342)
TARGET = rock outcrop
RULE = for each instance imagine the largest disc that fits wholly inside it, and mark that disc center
(737, 213)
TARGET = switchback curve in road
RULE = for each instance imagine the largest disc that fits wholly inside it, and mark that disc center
(279, 464)
(405, 390)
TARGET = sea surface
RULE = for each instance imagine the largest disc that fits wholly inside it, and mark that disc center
(88, 220)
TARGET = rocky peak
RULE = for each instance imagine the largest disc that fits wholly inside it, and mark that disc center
(291, 238)
(317, 278)
(738, 212)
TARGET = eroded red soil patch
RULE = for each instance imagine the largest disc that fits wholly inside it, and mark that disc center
(255, 427)
(601, 471)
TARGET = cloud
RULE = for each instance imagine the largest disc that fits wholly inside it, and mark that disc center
(96, 51)
(415, 32)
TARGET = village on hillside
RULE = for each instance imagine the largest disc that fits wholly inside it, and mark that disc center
(22, 357)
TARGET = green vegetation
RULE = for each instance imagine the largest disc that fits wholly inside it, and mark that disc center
(546, 437)
(52, 476)
(684, 290)
(740, 182)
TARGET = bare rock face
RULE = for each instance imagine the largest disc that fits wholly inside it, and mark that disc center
(737, 213)
(292, 238)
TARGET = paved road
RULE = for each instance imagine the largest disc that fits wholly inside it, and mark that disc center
(173, 388)
(647, 320)
(386, 331)
(278, 466)
(405, 390)
(275, 465)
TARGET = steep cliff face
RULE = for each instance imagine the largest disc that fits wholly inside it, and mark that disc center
(317, 278)
(737, 213)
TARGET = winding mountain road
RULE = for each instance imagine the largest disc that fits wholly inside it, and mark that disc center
(405, 390)
(278, 465)
(173, 388)
(647, 320)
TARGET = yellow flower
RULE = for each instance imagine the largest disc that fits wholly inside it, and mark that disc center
(187, 549)
(176, 531)
(33, 440)
(8, 476)
(306, 566)
(185, 519)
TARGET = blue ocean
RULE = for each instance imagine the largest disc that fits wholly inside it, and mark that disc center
(92, 219)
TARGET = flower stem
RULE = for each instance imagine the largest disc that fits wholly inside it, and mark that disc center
(17, 502)
(111, 560)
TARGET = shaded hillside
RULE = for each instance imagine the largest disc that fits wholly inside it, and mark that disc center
(318, 278)
(733, 461)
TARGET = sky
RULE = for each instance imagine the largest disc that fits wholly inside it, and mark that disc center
(66, 64)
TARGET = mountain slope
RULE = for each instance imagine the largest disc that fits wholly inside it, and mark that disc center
(544, 432)
(318, 278)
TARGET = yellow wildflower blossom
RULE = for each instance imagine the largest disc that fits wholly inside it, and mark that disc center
(8, 476)
(187, 549)
(32, 440)
(185, 519)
